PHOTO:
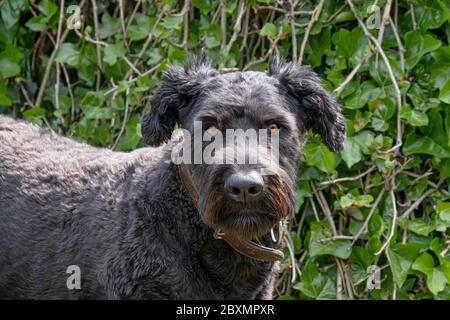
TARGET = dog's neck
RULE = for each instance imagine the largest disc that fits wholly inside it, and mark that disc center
(245, 247)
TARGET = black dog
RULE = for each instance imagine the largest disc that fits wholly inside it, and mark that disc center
(138, 226)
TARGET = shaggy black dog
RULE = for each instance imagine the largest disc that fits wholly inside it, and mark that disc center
(135, 225)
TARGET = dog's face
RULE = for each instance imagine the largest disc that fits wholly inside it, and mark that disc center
(251, 126)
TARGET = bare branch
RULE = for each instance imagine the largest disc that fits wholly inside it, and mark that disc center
(99, 53)
(369, 216)
(389, 69)
(393, 225)
(345, 179)
(314, 18)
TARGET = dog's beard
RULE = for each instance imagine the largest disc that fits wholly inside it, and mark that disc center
(251, 220)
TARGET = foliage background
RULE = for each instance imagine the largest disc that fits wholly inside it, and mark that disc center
(383, 201)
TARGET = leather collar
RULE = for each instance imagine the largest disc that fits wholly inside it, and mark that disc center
(245, 247)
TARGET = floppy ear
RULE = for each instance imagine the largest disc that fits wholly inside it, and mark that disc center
(179, 87)
(320, 112)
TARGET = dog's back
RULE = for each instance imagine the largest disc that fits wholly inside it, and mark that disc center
(30, 147)
(48, 187)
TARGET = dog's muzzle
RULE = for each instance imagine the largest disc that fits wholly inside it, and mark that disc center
(247, 248)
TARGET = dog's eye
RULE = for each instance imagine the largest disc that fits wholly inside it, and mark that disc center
(273, 128)
(212, 131)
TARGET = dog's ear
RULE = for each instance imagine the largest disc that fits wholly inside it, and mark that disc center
(178, 89)
(320, 112)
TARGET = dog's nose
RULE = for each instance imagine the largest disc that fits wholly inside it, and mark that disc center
(244, 187)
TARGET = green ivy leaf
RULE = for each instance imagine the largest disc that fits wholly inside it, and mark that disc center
(366, 141)
(430, 14)
(8, 68)
(11, 10)
(401, 258)
(9, 62)
(420, 144)
(420, 227)
(376, 225)
(418, 189)
(211, 42)
(319, 45)
(172, 22)
(286, 297)
(132, 135)
(303, 191)
(112, 52)
(141, 27)
(384, 109)
(414, 117)
(67, 53)
(37, 23)
(351, 152)
(4, 98)
(443, 208)
(344, 16)
(439, 67)
(373, 244)
(436, 280)
(47, 8)
(444, 168)
(314, 284)
(319, 156)
(436, 129)
(355, 201)
(445, 269)
(368, 91)
(269, 30)
(350, 44)
(108, 27)
(361, 120)
(338, 248)
(92, 99)
(444, 94)
(363, 255)
(98, 113)
(203, 6)
(34, 115)
(417, 45)
(418, 118)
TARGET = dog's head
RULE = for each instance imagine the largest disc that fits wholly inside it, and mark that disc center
(235, 122)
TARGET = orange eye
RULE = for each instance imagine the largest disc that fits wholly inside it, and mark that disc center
(212, 131)
(273, 128)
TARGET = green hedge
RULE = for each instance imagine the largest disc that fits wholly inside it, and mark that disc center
(383, 201)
